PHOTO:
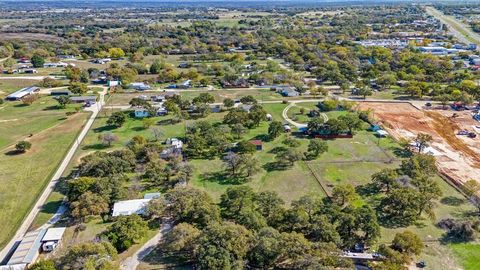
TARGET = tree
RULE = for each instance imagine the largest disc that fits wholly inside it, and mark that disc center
(47, 264)
(126, 231)
(228, 103)
(248, 100)
(89, 255)
(233, 163)
(148, 122)
(192, 206)
(9, 63)
(116, 53)
(385, 180)
(251, 166)
(422, 141)
(107, 138)
(266, 249)
(238, 130)
(63, 101)
(205, 98)
(182, 241)
(156, 66)
(88, 204)
(37, 61)
(429, 191)
(79, 186)
(290, 156)
(224, 246)
(316, 148)
(275, 128)
(400, 207)
(408, 242)
(78, 88)
(351, 121)
(364, 91)
(23, 146)
(28, 100)
(116, 119)
(344, 194)
(102, 164)
(418, 165)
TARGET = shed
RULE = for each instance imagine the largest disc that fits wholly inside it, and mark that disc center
(153, 195)
(61, 93)
(22, 93)
(127, 208)
(83, 99)
(257, 143)
(52, 238)
(381, 133)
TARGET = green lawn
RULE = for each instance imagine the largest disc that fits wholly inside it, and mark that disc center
(23, 176)
(467, 255)
(18, 121)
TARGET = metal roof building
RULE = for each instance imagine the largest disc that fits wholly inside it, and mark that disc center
(28, 249)
(126, 208)
(22, 93)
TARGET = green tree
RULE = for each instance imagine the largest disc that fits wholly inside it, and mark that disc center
(418, 165)
(429, 192)
(224, 246)
(63, 101)
(116, 119)
(316, 148)
(182, 241)
(126, 231)
(344, 194)
(385, 180)
(88, 204)
(408, 242)
(351, 121)
(275, 128)
(37, 61)
(422, 140)
(47, 264)
(400, 207)
(23, 146)
(78, 88)
(116, 53)
(266, 249)
(156, 66)
(228, 103)
(238, 130)
(89, 255)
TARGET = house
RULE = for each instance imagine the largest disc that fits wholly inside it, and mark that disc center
(216, 108)
(83, 99)
(30, 71)
(52, 238)
(162, 97)
(113, 83)
(289, 92)
(139, 86)
(257, 143)
(22, 93)
(184, 85)
(60, 93)
(174, 142)
(29, 248)
(141, 113)
(57, 64)
(127, 208)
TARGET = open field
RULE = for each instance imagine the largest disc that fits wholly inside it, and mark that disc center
(23, 176)
(456, 156)
(12, 85)
(467, 255)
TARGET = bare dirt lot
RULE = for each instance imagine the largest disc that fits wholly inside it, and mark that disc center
(458, 157)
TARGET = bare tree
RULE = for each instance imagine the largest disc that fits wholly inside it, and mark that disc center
(108, 138)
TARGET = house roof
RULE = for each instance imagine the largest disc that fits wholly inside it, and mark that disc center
(83, 98)
(256, 142)
(27, 250)
(23, 92)
(54, 234)
(126, 208)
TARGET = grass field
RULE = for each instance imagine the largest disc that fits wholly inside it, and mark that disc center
(8, 86)
(23, 176)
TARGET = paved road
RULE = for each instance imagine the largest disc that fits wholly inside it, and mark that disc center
(458, 29)
(58, 174)
(133, 261)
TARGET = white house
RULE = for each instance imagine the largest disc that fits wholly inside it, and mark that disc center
(126, 208)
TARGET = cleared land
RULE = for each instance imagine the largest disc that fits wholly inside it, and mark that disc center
(457, 156)
(23, 176)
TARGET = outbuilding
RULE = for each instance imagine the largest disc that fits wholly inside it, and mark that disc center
(258, 144)
(22, 93)
(83, 99)
(52, 238)
(130, 207)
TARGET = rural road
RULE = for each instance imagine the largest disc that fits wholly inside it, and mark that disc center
(58, 174)
(133, 261)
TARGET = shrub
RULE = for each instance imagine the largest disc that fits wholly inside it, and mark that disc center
(23, 146)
